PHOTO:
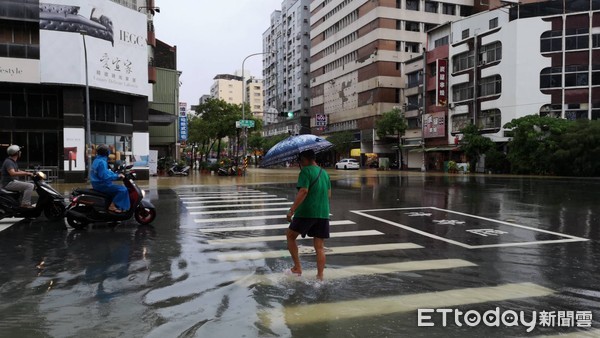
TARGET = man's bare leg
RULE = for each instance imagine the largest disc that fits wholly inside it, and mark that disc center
(293, 248)
(319, 244)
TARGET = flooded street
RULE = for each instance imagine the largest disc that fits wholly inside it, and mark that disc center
(213, 263)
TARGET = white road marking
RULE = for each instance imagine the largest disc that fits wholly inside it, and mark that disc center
(239, 219)
(333, 251)
(235, 200)
(370, 307)
(6, 223)
(237, 211)
(367, 270)
(225, 197)
(237, 205)
(255, 239)
(266, 227)
(200, 194)
(568, 239)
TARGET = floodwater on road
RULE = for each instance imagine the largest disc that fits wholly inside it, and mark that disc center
(213, 263)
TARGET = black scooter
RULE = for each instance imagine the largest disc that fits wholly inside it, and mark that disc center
(50, 202)
(91, 206)
(177, 170)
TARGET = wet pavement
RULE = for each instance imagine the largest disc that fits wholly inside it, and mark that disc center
(213, 263)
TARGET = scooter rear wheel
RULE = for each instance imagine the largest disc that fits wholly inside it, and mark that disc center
(145, 216)
(75, 224)
(54, 211)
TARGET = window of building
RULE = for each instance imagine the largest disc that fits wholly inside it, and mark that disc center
(412, 102)
(551, 77)
(441, 42)
(466, 10)
(398, 24)
(462, 92)
(577, 39)
(413, 79)
(551, 41)
(463, 61)
(412, 26)
(449, 9)
(430, 26)
(596, 41)
(412, 5)
(490, 53)
(465, 34)
(411, 47)
(576, 76)
(489, 86)
(576, 114)
(398, 46)
(398, 3)
(460, 122)
(431, 6)
(489, 119)
(493, 23)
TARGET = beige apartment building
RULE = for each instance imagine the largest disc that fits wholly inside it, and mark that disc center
(228, 88)
(255, 97)
(358, 48)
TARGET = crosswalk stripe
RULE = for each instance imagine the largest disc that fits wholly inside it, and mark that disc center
(366, 270)
(236, 200)
(237, 205)
(265, 227)
(191, 193)
(333, 251)
(200, 194)
(239, 219)
(225, 197)
(11, 220)
(282, 238)
(360, 308)
(237, 211)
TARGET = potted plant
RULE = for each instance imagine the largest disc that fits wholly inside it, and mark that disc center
(452, 167)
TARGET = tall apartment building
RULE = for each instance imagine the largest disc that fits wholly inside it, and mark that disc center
(255, 97)
(228, 88)
(286, 68)
(357, 53)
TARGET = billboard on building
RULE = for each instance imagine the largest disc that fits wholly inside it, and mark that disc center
(74, 149)
(434, 125)
(115, 37)
(442, 82)
(19, 70)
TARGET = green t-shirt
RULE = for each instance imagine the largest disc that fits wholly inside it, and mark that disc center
(316, 203)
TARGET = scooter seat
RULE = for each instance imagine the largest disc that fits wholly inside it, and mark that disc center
(10, 193)
(90, 192)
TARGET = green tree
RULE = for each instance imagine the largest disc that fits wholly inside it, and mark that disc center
(392, 123)
(256, 142)
(578, 152)
(474, 144)
(342, 142)
(534, 140)
(219, 121)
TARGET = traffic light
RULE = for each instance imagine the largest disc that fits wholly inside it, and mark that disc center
(290, 114)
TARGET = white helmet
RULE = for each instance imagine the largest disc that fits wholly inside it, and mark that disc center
(13, 150)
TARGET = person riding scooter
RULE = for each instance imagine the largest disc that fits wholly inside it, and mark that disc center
(102, 177)
(10, 170)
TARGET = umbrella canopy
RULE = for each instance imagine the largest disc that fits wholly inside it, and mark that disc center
(288, 149)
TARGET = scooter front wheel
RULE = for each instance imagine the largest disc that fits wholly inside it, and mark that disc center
(76, 224)
(54, 211)
(145, 216)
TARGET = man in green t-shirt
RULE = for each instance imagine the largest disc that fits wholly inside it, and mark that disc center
(310, 211)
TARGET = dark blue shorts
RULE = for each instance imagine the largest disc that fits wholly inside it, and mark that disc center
(313, 227)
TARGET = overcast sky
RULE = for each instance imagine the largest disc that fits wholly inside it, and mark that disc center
(213, 37)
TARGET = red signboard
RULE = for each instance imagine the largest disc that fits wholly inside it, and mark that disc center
(434, 125)
(442, 82)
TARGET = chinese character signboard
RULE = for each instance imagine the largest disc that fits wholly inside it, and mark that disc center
(321, 120)
(182, 109)
(434, 125)
(183, 128)
(442, 82)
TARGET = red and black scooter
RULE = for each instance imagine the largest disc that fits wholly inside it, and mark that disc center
(90, 206)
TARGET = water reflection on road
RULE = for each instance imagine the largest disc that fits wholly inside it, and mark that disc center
(177, 279)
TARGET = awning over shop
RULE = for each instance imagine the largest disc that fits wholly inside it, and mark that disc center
(435, 149)
(159, 118)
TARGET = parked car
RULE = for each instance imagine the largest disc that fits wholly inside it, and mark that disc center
(347, 163)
